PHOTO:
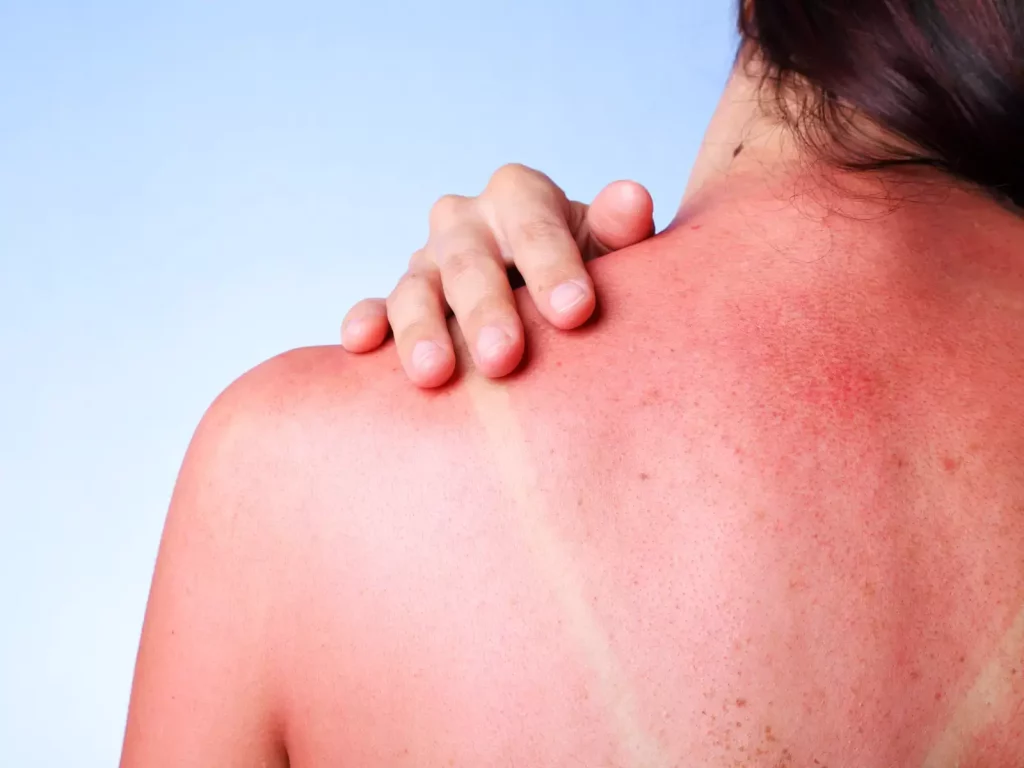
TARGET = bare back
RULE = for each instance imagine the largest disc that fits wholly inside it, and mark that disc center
(767, 510)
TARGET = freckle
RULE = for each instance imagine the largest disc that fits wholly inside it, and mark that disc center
(962, 659)
(644, 476)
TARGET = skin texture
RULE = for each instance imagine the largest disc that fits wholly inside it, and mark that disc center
(766, 509)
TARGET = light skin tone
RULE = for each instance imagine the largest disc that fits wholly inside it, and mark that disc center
(523, 219)
(764, 510)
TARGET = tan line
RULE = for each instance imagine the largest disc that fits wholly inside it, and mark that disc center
(986, 703)
(519, 475)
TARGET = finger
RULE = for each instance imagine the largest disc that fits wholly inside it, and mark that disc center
(532, 219)
(365, 326)
(416, 312)
(621, 215)
(477, 289)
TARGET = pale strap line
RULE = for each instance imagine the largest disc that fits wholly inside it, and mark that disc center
(988, 699)
(518, 473)
(986, 703)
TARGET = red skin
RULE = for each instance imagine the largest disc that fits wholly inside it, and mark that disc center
(766, 510)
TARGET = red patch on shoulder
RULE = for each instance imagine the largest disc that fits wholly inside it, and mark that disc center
(842, 385)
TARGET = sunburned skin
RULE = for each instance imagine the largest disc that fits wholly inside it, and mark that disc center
(843, 388)
(519, 477)
(767, 511)
(992, 706)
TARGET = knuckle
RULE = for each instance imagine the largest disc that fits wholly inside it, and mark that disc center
(510, 175)
(408, 284)
(419, 260)
(541, 229)
(459, 262)
(446, 209)
(466, 276)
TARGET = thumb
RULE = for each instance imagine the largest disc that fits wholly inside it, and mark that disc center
(622, 214)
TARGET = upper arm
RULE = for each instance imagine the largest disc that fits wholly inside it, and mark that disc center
(205, 691)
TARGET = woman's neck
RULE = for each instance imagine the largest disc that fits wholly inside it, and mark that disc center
(741, 138)
(747, 139)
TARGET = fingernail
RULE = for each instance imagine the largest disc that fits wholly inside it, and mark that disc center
(492, 341)
(567, 295)
(427, 354)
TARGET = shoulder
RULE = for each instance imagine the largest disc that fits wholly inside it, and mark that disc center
(256, 448)
(289, 455)
(287, 388)
(311, 416)
(272, 409)
(258, 425)
(321, 383)
(206, 690)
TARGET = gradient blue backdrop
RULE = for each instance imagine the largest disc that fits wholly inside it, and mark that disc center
(188, 188)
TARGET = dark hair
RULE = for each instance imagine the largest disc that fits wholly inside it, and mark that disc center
(943, 78)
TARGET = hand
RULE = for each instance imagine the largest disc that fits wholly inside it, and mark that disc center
(522, 219)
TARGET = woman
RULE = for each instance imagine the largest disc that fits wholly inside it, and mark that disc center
(928, 118)
(766, 510)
